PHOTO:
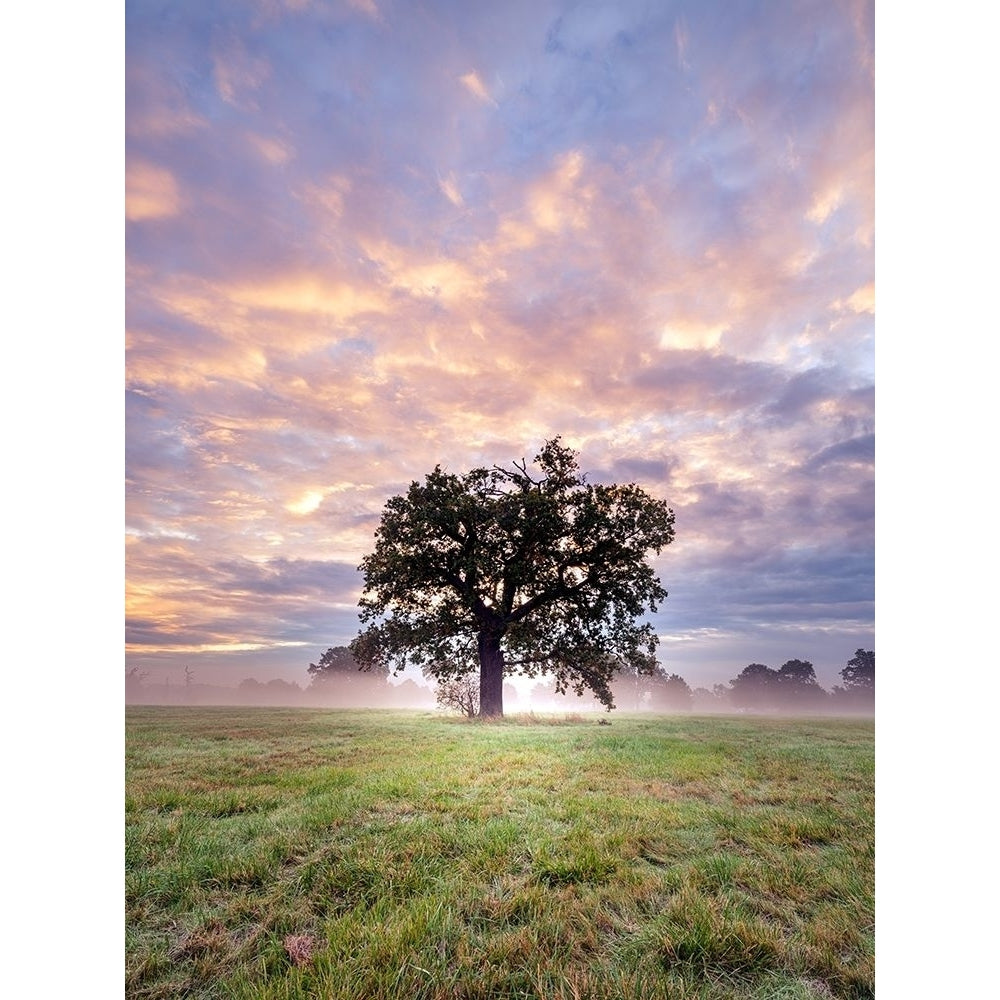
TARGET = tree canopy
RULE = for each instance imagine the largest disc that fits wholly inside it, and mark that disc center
(753, 688)
(797, 686)
(338, 664)
(859, 674)
(859, 681)
(515, 569)
(670, 692)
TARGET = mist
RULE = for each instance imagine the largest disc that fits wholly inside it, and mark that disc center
(757, 690)
(362, 692)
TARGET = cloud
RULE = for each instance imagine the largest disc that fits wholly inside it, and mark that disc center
(475, 86)
(859, 450)
(863, 300)
(355, 274)
(681, 335)
(368, 7)
(824, 204)
(151, 192)
(273, 151)
(238, 73)
(449, 188)
(682, 39)
(307, 294)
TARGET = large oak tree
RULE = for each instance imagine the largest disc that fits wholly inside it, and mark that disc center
(515, 570)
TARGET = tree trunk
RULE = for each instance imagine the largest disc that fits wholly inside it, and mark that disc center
(490, 674)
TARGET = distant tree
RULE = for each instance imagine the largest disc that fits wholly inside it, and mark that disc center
(134, 683)
(460, 694)
(286, 687)
(669, 693)
(797, 687)
(722, 692)
(408, 694)
(513, 571)
(859, 674)
(250, 690)
(631, 688)
(544, 694)
(703, 700)
(858, 692)
(754, 688)
(338, 664)
(281, 692)
(510, 693)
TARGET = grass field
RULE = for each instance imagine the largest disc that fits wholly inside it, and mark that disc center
(293, 853)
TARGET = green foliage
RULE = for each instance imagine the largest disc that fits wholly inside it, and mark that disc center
(275, 853)
(859, 674)
(791, 688)
(518, 572)
(338, 664)
(669, 692)
(797, 687)
(754, 687)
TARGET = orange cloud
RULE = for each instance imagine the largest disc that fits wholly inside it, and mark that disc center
(449, 188)
(327, 195)
(307, 294)
(238, 74)
(272, 151)
(475, 86)
(559, 201)
(151, 192)
(863, 300)
(825, 203)
(687, 335)
(368, 7)
(556, 202)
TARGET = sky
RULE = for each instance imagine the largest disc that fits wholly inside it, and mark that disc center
(366, 238)
(69, 71)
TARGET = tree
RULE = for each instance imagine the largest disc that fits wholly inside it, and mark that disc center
(670, 693)
(797, 687)
(544, 695)
(631, 688)
(704, 700)
(134, 684)
(408, 694)
(338, 664)
(510, 693)
(282, 686)
(722, 693)
(754, 687)
(859, 674)
(515, 571)
(460, 694)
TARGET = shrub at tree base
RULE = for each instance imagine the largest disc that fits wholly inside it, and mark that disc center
(460, 694)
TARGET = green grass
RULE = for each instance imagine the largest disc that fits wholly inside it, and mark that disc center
(293, 853)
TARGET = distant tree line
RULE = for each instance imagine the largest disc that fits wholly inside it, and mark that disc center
(792, 688)
(338, 680)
